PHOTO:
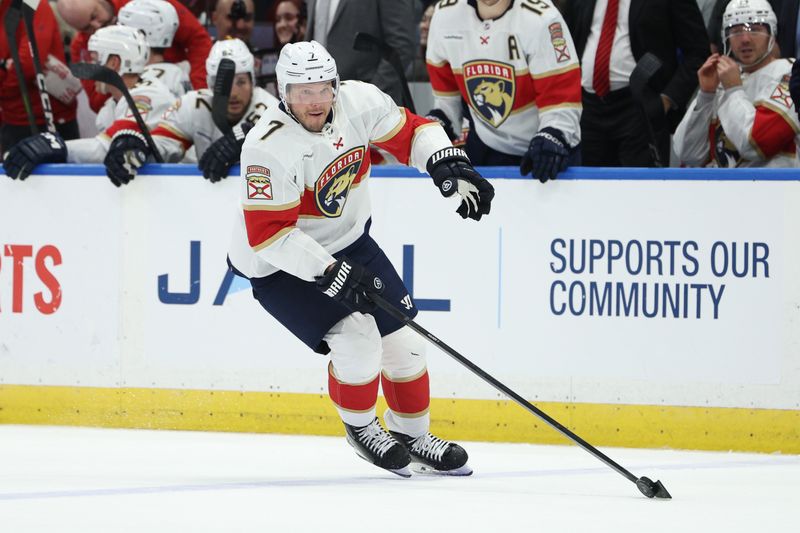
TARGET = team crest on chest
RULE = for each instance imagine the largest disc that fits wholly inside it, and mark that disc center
(333, 185)
(491, 89)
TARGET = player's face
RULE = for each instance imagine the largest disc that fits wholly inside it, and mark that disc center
(241, 92)
(749, 42)
(310, 103)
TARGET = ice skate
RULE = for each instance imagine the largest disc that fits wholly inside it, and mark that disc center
(432, 455)
(375, 445)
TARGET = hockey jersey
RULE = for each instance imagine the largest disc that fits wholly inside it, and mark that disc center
(189, 122)
(518, 73)
(171, 75)
(754, 125)
(305, 195)
(152, 99)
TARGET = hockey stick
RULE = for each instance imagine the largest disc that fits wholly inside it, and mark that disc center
(90, 71)
(647, 487)
(222, 92)
(366, 42)
(28, 10)
(646, 68)
(11, 23)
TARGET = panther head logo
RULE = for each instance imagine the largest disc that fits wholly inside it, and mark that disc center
(491, 88)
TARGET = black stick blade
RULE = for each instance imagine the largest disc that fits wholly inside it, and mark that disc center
(652, 489)
(222, 92)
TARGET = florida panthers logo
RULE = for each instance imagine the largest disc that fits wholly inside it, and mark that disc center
(333, 185)
(725, 153)
(491, 89)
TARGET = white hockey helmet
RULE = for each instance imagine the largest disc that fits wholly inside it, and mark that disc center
(305, 62)
(236, 51)
(128, 43)
(747, 13)
(158, 19)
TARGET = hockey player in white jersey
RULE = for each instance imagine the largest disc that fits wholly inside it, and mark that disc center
(303, 240)
(515, 66)
(124, 50)
(158, 19)
(743, 115)
(189, 120)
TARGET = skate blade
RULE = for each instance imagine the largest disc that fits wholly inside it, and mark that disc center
(404, 472)
(420, 468)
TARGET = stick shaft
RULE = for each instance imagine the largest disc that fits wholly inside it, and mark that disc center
(475, 369)
(28, 11)
(11, 23)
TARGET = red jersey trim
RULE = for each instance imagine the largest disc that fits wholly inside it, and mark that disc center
(400, 140)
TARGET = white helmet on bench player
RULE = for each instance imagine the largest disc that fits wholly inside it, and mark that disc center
(305, 62)
(236, 51)
(158, 19)
(128, 43)
(748, 13)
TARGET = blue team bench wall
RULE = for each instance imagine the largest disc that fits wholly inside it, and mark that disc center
(575, 173)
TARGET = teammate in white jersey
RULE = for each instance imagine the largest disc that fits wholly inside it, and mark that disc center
(303, 240)
(747, 118)
(515, 66)
(189, 120)
(158, 19)
(124, 50)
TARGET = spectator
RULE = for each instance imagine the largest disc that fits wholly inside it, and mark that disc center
(611, 36)
(191, 41)
(419, 71)
(517, 70)
(747, 119)
(234, 19)
(15, 125)
(334, 24)
(788, 27)
(290, 18)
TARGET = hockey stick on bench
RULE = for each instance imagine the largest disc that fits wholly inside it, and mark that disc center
(28, 10)
(10, 24)
(222, 92)
(90, 71)
(647, 487)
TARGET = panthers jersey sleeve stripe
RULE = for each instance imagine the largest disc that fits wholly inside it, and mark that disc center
(443, 80)
(165, 130)
(121, 124)
(264, 226)
(772, 132)
(558, 89)
(400, 141)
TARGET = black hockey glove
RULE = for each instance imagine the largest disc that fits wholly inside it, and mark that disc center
(31, 151)
(126, 155)
(452, 173)
(439, 116)
(224, 153)
(794, 86)
(547, 155)
(351, 284)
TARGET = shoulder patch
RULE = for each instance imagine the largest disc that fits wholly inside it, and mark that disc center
(259, 186)
(781, 93)
(560, 46)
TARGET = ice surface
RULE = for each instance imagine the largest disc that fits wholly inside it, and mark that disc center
(81, 479)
